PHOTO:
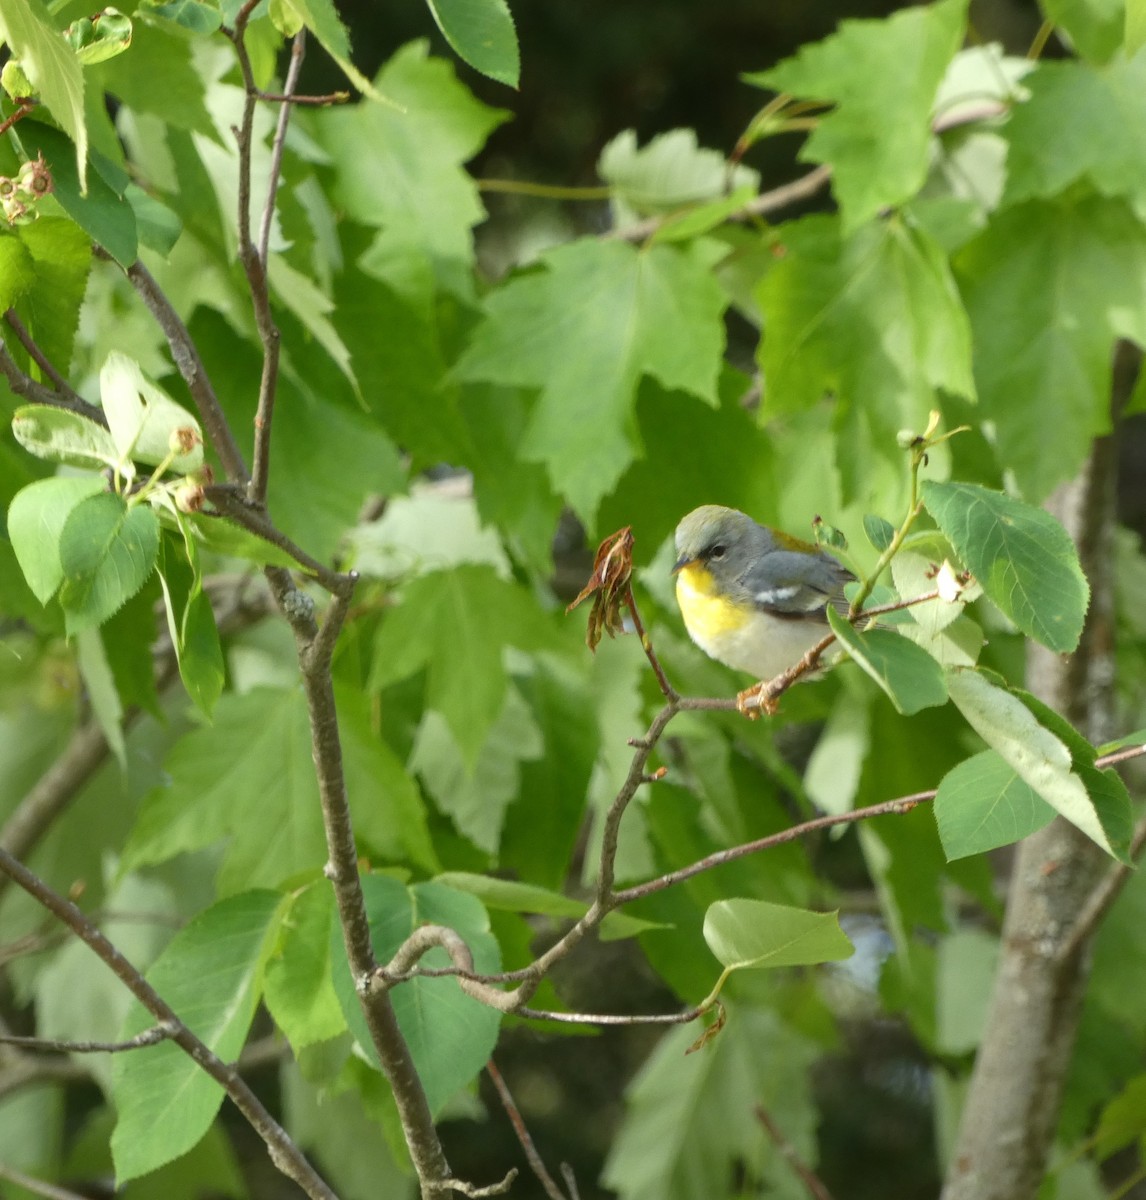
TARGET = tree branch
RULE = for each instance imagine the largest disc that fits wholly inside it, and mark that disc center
(813, 1184)
(162, 1032)
(50, 1191)
(284, 1153)
(28, 389)
(190, 366)
(536, 1164)
(37, 355)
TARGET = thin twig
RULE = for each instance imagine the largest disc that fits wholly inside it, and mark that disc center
(813, 1184)
(284, 1153)
(297, 54)
(190, 366)
(37, 355)
(536, 1164)
(38, 1187)
(1109, 888)
(25, 107)
(422, 1140)
(149, 1037)
(295, 98)
(572, 1018)
(29, 389)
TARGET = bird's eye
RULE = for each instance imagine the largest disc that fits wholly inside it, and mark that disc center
(716, 552)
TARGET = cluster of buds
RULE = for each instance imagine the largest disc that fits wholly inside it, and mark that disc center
(19, 196)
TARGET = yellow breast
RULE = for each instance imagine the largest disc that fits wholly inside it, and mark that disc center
(707, 616)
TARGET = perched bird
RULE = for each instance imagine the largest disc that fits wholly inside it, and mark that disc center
(751, 597)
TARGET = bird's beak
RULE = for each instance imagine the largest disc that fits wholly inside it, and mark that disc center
(680, 564)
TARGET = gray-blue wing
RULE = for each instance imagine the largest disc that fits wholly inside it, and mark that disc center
(787, 582)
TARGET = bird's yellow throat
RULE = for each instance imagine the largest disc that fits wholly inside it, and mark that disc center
(706, 613)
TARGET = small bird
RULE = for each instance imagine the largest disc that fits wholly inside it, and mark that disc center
(752, 597)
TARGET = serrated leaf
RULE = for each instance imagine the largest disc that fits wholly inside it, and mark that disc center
(1097, 119)
(209, 975)
(755, 933)
(36, 517)
(690, 1118)
(877, 138)
(61, 255)
(482, 33)
(450, 1035)
(302, 297)
(1050, 287)
(107, 551)
(50, 63)
(1039, 758)
(402, 171)
(671, 172)
(912, 679)
(984, 803)
(259, 749)
(655, 311)
(65, 437)
(17, 271)
(142, 418)
(99, 210)
(455, 625)
(1021, 556)
(873, 319)
(475, 795)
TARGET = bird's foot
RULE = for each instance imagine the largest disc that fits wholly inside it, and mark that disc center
(753, 701)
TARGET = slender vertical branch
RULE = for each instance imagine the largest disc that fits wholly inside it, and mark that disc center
(190, 366)
(284, 1153)
(297, 54)
(536, 1165)
(36, 354)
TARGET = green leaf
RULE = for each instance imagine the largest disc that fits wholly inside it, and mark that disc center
(209, 975)
(259, 750)
(99, 686)
(321, 18)
(482, 33)
(1021, 556)
(984, 803)
(100, 211)
(1038, 757)
(191, 627)
(1135, 27)
(17, 272)
(61, 256)
(36, 518)
(96, 39)
(754, 933)
(107, 551)
(296, 982)
(1094, 27)
(50, 63)
(690, 1118)
(507, 895)
(63, 437)
(1095, 121)
(670, 173)
(167, 54)
(872, 319)
(476, 795)
(912, 679)
(193, 15)
(450, 1035)
(877, 139)
(402, 171)
(455, 624)
(143, 418)
(305, 299)
(1050, 288)
(879, 532)
(1123, 1120)
(655, 311)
